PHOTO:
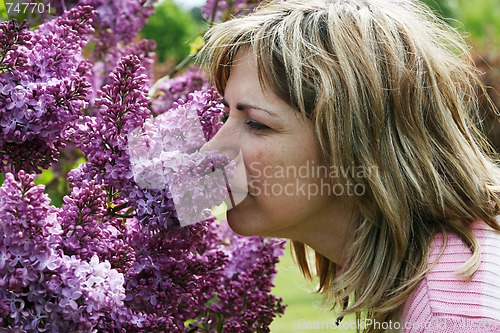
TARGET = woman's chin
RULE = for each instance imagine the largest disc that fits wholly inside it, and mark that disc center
(241, 225)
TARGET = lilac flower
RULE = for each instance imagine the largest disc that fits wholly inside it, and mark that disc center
(168, 91)
(161, 294)
(12, 36)
(104, 64)
(89, 232)
(193, 185)
(116, 26)
(115, 21)
(43, 289)
(210, 110)
(42, 89)
(119, 21)
(223, 10)
(122, 107)
(244, 301)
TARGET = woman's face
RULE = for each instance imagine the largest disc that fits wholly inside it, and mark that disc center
(281, 157)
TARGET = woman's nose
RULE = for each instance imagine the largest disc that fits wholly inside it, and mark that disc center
(225, 141)
(229, 149)
(236, 178)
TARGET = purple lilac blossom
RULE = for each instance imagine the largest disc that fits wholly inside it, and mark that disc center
(115, 22)
(119, 21)
(104, 64)
(168, 91)
(102, 138)
(42, 288)
(210, 110)
(155, 207)
(223, 10)
(103, 190)
(89, 231)
(244, 303)
(116, 26)
(42, 88)
(175, 276)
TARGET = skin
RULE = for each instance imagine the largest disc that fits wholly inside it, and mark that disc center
(273, 136)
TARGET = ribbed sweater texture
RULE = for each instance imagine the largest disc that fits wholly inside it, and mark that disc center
(444, 301)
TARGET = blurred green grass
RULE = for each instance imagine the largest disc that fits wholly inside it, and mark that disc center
(304, 310)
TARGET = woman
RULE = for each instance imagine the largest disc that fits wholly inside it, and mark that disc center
(355, 120)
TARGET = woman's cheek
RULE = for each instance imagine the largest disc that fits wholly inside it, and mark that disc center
(254, 170)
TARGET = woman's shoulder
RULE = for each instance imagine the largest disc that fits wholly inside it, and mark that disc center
(456, 251)
(446, 298)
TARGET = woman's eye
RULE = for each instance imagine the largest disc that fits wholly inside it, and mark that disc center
(255, 125)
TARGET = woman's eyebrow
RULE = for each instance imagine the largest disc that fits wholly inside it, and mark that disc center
(246, 106)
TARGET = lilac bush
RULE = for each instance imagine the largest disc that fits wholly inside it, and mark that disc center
(117, 255)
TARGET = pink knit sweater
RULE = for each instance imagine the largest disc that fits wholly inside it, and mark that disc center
(444, 302)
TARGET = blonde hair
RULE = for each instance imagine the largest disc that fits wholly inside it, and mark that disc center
(390, 86)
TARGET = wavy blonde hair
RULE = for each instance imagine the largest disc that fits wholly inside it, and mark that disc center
(387, 85)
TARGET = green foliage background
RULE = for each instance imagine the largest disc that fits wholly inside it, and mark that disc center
(478, 18)
(172, 29)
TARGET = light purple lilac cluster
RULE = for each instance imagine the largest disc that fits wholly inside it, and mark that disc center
(122, 106)
(116, 25)
(174, 277)
(176, 135)
(100, 201)
(165, 153)
(42, 289)
(89, 230)
(42, 88)
(223, 10)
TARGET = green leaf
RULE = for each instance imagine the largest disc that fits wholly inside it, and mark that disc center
(3, 11)
(45, 177)
(196, 45)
